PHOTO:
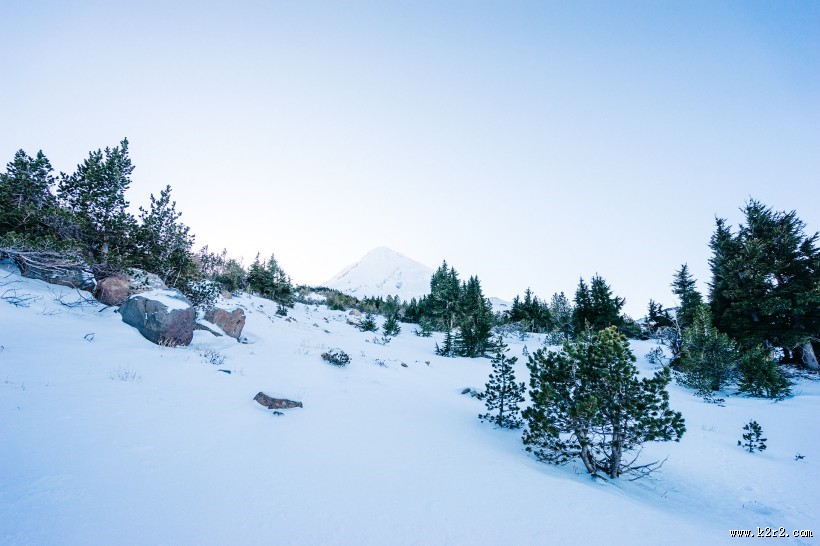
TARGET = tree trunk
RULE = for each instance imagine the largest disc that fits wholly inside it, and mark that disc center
(586, 456)
(809, 358)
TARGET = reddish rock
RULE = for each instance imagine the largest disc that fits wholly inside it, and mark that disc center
(231, 323)
(113, 290)
(276, 403)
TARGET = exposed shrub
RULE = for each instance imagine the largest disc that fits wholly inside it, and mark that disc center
(337, 357)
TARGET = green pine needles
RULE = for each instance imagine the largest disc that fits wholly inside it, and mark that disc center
(588, 403)
(503, 394)
(753, 439)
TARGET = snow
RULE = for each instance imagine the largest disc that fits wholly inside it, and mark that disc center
(111, 439)
(171, 299)
(499, 305)
(383, 272)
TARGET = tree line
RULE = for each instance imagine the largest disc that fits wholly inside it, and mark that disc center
(85, 214)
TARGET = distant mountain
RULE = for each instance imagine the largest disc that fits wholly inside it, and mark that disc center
(383, 272)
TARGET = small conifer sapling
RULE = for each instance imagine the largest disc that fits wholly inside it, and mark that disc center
(753, 439)
(503, 394)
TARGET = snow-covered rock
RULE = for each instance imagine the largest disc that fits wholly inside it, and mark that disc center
(164, 317)
(383, 272)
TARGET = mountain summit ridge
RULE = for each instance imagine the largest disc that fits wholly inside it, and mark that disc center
(383, 272)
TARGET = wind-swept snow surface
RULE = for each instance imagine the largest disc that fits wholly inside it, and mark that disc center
(384, 272)
(108, 439)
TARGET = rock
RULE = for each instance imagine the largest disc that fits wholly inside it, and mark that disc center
(231, 323)
(226, 294)
(164, 317)
(403, 365)
(355, 313)
(225, 371)
(276, 403)
(472, 392)
(113, 290)
(116, 288)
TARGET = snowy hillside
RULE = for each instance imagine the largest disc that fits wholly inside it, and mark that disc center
(106, 438)
(383, 272)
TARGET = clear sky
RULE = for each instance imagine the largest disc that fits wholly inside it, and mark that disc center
(527, 143)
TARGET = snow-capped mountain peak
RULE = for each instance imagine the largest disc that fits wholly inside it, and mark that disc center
(383, 272)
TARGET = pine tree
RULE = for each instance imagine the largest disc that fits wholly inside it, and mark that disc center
(163, 244)
(708, 357)
(441, 306)
(589, 403)
(561, 312)
(95, 196)
(753, 437)
(391, 326)
(596, 306)
(425, 328)
(760, 376)
(476, 321)
(368, 323)
(448, 348)
(765, 285)
(269, 280)
(582, 312)
(658, 317)
(503, 394)
(606, 307)
(684, 287)
(531, 313)
(25, 195)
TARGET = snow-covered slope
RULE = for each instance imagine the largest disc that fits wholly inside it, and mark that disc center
(108, 439)
(383, 272)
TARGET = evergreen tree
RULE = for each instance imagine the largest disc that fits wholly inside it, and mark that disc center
(95, 196)
(588, 402)
(476, 321)
(683, 286)
(391, 326)
(25, 195)
(232, 276)
(448, 348)
(606, 307)
(441, 306)
(531, 313)
(582, 312)
(503, 394)
(708, 357)
(163, 244)
(760, 376)
(596, 306)
(765, 286)
(425, 328)
(269, 280)
(561, 312)
(368, 323)
(753, 437)
(658, 317)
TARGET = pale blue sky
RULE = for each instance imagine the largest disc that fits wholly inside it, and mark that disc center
(527, 143)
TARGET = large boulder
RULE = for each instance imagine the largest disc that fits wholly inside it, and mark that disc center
(113, 290)
(231, 323)
(117, 288)
(164, 317)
